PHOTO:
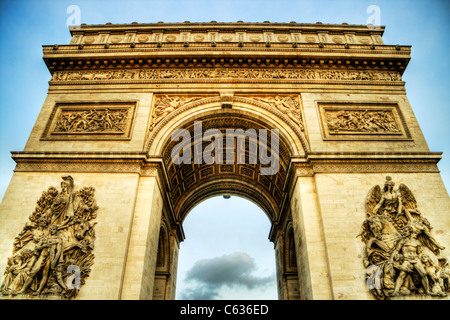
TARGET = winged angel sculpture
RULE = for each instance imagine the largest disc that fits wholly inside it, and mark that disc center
(401, 255)
(166, 105)
(288, 105)
(52, 256)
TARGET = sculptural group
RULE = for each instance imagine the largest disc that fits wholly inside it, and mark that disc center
(57, 241)
(401, 255)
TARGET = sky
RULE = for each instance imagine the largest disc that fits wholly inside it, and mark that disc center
(226, 254)
(228, 233)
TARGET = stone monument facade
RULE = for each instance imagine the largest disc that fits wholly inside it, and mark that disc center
(96, 205)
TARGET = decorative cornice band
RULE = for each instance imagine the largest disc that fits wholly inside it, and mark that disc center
(227, 75)
(97, 166)
(312, 164)
(366, 163)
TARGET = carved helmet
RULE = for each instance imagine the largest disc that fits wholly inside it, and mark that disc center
(69, 181)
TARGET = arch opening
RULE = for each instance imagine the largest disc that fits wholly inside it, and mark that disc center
(226, 254)
(191, 183)
(237, 150)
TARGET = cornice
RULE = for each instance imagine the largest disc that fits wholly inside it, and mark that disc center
(364, 162)
(72, 57)
(191, 48)
(74, 155)
(310, 159)
(314, 156)
(227, 44)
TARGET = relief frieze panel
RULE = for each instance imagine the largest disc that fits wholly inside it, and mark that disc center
(342, 121)
(349, 121)
(224, 74)
(90, 121)
(95, 121)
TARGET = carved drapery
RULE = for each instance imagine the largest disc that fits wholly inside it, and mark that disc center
(53, 254)
(401, 255)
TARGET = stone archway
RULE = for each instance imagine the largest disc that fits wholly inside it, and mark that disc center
(226, 253)
(241, 119)
(116, 95)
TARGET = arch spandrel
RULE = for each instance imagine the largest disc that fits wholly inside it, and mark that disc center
(190, 183)
(197, 105)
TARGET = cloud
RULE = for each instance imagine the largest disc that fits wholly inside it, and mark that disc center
(208, 276)
(200, 292)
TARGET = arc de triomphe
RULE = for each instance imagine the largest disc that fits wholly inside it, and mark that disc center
(96, 204)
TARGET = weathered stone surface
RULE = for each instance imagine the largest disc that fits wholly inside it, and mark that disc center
(335, 94)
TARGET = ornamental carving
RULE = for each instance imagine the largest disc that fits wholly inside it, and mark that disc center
(361, 121)
(92, 121)
(226, 73)
(53, 254)
(165, 105)
(288, 105)
(401, 255)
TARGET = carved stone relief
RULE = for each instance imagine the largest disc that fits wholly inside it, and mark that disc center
(165, 105)
(288, 105)
(108, 121)
(225, 73)
(401, 256)
(90, 121)
(227, 36)
(53, 254)
(362, 121)
(345, 121)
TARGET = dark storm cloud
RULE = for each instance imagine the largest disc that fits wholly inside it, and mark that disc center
(209, 275)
